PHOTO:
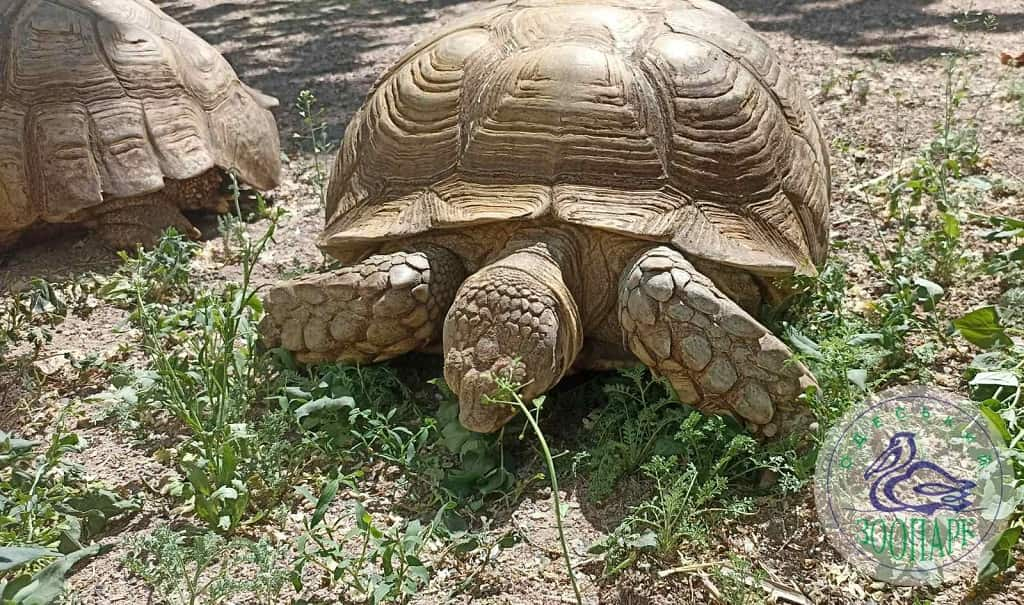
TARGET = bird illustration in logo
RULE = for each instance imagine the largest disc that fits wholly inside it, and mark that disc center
(900, 482)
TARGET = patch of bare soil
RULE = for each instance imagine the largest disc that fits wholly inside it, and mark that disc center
(875, 72)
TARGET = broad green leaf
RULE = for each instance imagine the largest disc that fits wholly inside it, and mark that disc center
(103, 500)
(413, 529)
(197, 478)
(13, 557)
(1001, 378)
(326, 497)
(1000, 557)
(928, 293)
(363, 519)
(297, 393)
(71, 538)
(858, 377)
(989, 360)
(648, 540)
(804, 345)
(229, 461)
(224, 492)
(950, 225)
(983, 328)
(381, 592)
(48, 584)
(860, 340)
(997, 421)
(417, 570)
(9, 589)
(14, 444)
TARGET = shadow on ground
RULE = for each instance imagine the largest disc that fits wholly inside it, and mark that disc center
(904, 31)
(334, 48)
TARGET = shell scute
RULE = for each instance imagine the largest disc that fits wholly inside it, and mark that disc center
(666, 120)
(129, 163)
(106, 99)
(62, 148)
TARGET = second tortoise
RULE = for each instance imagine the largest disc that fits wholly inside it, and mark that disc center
(115, 116)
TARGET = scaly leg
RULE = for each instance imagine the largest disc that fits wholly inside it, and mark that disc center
(377, 309)
(715, 354)
(127, 224)
(515, 317)
(8, 239)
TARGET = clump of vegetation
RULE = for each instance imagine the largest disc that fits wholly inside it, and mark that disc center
(45, 586)
(208, 383)
(185, 569)
(858, 342)
(160, 275)
(49, 512)
(28, 316)
(739, 583)
(355, 416)
(46, 501)
(995, 378)
(388, 565)
(249, 424)
(27, 320)
(1008, 264)
(691, 488)
(205, 372)
(638, 420)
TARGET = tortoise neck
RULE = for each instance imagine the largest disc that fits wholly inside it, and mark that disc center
(558, 247)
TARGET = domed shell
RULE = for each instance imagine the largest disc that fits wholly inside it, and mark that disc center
(104, 99)
(669, 120)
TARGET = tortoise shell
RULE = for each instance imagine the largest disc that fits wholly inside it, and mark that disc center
(105, 99)
(665, 120)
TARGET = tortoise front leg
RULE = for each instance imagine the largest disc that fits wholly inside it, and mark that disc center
(515, 317)
(717, 357)
(377, 309)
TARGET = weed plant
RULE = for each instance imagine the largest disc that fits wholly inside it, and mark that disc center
(50, 515)
(188, 568)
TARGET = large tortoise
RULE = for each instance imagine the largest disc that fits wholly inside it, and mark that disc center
(116, 116)
(551, 184)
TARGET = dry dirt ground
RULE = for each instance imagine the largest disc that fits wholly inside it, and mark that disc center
(874, 70)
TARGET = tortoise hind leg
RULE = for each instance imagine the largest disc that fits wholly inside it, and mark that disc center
(8, 239)
(717, 357)
(127, 224)
(377, 309)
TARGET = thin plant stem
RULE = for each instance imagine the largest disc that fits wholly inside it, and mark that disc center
(517, 401)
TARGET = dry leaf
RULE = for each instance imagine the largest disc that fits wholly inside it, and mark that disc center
(1008, 59)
